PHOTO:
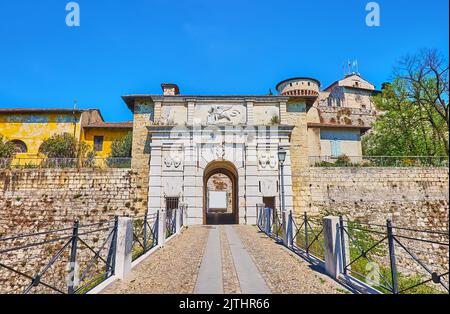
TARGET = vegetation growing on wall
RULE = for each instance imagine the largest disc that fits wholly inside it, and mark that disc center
(121, 148)
(6, 148)
(415, 111)
(121, 152)
(63, 146)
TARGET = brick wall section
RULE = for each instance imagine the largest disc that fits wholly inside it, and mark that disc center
(414, 197)
(35, 200)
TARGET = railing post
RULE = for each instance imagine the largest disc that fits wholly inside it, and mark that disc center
(268, 213)
(333, 250)
(177, 220)
(145, 231)
(306, 233)
(161, 227)
(156, 229)
(343, 248)
(73, 258)
(124, 247)
(291, 230)
(393, 263)
(111, 260)
(285, 227)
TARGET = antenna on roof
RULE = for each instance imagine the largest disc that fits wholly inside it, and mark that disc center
(352, 68)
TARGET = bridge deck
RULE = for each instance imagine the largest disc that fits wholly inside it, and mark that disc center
(224, 259)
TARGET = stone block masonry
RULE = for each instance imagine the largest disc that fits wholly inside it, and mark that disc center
(34, 200)
(413, 197)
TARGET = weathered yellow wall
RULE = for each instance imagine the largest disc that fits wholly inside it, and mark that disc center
(34, 128)
(109, 135)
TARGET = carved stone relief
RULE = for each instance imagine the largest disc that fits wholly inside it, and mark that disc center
(173, 160)
(268, 160)
(172, 187)
(269, 187)
(218, 151)
(219, 114)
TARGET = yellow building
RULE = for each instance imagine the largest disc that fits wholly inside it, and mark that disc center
(28, 128)
(100, 136)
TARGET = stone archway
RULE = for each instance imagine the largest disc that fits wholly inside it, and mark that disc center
(220, 174)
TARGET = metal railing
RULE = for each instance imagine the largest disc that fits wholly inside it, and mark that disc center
(43, 163)
(307, 234)
(145, 234)
(183, 210)
(170, 222)
(69, 260)
(379, 161)
(389, 259)
(269, 221)
(394, 259)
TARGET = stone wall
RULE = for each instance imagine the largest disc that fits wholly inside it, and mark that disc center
(38, 200)
(144, 115)
(34, 200)
(414, 197)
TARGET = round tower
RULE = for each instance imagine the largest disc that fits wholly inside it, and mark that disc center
(304, 87)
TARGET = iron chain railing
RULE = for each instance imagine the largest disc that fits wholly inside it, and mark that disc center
(379, 161)
(80, 258)
(269, 221)
(388, 258)
(145, 234)
(76, 259)
(43, 162)
(401, 263)
(170, 225)
(307, 234)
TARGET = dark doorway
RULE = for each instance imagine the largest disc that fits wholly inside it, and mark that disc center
(220, 197)
(269, 202)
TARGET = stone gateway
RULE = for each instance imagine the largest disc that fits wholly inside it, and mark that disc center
(180, 142)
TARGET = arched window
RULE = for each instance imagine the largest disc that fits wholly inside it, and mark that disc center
(19, 146)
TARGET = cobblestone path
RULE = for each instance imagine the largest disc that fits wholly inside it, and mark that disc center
(224, 259)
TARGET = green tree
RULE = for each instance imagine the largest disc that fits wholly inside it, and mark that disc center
(60, 146)
(121, 148)
(6, 148)
(414, 110)
(121, 152)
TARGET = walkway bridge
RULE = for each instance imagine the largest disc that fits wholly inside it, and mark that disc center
(284, 253)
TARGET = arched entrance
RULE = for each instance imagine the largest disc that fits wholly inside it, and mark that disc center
(220, 194)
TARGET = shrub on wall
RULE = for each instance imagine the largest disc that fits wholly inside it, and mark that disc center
(121, 148)
(59, 146)
(6, 148)
(121, 152)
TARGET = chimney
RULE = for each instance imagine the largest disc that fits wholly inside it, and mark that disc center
(170, 89)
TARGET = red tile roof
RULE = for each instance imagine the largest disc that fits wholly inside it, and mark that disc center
(117, 125)
(345, 126)
(41, 110)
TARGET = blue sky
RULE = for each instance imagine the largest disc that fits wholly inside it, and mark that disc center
(205, 46)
